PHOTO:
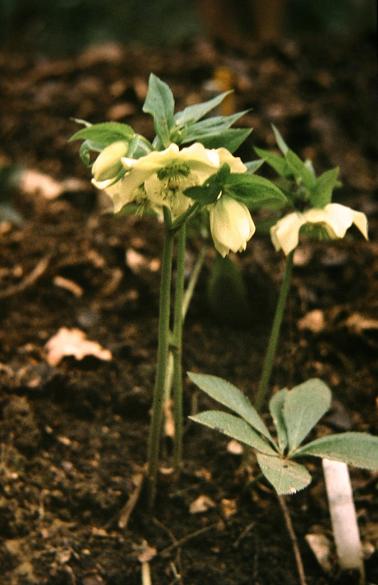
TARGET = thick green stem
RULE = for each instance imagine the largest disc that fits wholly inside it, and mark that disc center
(177, 347)
(274, 334)
(162, 360)
(193, 282)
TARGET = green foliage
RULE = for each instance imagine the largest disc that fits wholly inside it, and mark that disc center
(192, 114)
(358, 449)
(235, 427)
(253, 190)
(96, 137)
(303, 406)
(230, 396)
(295, 413)
(302, 185)
(160, 103)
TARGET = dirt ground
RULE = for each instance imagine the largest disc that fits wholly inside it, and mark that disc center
(73, 435)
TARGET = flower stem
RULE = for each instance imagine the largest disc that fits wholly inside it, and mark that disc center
(177, 347)
(162, 359)
(274, 334)
(193, 282)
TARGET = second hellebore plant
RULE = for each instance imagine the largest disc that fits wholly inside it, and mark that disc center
(176, 182)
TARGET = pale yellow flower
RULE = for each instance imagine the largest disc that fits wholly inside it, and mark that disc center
(161, 177)
(336, 219)
(108, 163)
(231, 225)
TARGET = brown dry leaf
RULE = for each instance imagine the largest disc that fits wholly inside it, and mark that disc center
(321, 547)
(313, 321)
(73, 342)
(147, 553)
(228, 507)
(33, 182)
(359, 323)
(201, 504)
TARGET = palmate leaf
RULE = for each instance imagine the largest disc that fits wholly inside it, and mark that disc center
(234, 427)
(358, 449)
(304, 405)
(276, 405)
(192, 114)
(230, 396)
(160, 104)
(287, 477)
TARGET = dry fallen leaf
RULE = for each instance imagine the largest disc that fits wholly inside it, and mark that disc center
(314, 321)
(147, 553)
(73, 342)
(201, 504)
(359, 323)
(321, 547)
(33, 182)
(228, 507)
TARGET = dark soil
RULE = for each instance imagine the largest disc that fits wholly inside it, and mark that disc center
(74, 436)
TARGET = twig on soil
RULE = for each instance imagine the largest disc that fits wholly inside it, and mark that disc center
(29, 279)
(293, 538)
(243, 534)
(187, 538)
(146, 574)
(128, 508)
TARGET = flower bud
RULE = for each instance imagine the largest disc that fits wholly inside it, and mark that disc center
(108, 163)
(231, 225)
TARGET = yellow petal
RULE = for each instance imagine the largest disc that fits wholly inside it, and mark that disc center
(285, 233)
(108, 163)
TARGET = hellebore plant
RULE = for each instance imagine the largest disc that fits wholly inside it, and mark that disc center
(188, 168)
(294, 413)
(313, 214)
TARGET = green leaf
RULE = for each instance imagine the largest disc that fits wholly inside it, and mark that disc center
(325, 184)
(276, 405)
(160, 104)
(287, 477)
(358, 449)
(104, 133)
(253, 189)
(231, 138)
(304, 406)
(194, 113)
(230, 396)
(209, 191)
(300, 171)
(233, 427)
(277, 162)
(211, 126)
(280, 141)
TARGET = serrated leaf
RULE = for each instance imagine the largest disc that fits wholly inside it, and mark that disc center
(287, 477)
(279, 140)
(104, 133)
(194, 113)
(277, 162)
(276, 405)
(325, 184)
(160, 104)
(299, 170)
(233, 427)
(229, 395)
(231, 138)
(253, 189)
(303, 407)
(358, 449)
